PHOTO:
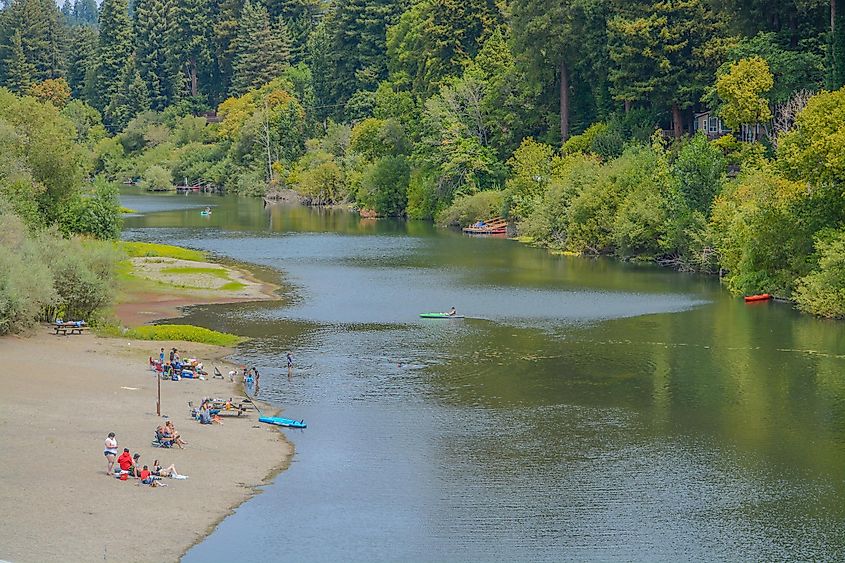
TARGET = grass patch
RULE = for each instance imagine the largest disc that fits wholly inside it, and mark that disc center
(187, 333)
(233, 286)
(126, 210)
(216, 272)
(144, 249)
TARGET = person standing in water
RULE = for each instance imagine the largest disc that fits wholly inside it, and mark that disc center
(290, 364)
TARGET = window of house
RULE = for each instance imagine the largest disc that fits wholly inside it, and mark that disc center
(714, 125)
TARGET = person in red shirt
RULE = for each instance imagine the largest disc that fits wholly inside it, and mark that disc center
(145, 476)
(124, 460)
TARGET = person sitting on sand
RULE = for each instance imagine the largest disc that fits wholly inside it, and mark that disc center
(124, 461)
(177, 439)
(145, 476)
(160, 471)
(135, 471)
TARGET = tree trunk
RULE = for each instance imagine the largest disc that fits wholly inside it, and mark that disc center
(564, 102)
(677, 123)
(192, 66)
(628, 105)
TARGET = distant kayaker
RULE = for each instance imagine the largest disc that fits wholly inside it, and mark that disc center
(452, 312)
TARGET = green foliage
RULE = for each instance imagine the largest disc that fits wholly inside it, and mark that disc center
(157, 178)
(663, 52)
(261, 49)
(319, 178)
(434, 39)
(384, 186)
(822, 291)
(95, 214)
(763, 228)
(43, 276)
(813, 149)
(792, 69)
(700, 170)
(153, 54)
(147, 249)
(469, 209)
(114, 49)
(741, 89)
(39, 149)
(26, 284)
(183, 333)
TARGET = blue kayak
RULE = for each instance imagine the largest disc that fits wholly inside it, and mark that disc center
(283, 422)
(440, 316)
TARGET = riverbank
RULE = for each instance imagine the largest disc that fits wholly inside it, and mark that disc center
(162, 280)
(62, 396)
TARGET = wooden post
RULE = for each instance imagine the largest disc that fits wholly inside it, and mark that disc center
(158, 393)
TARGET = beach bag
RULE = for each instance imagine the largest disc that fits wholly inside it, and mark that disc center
(124, 477)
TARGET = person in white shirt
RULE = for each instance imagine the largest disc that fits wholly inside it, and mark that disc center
(110, 451)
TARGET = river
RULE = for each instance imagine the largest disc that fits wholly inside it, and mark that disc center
(585, 410)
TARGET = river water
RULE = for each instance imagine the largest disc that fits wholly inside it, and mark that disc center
(585, 409)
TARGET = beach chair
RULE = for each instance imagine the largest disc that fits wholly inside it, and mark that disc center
(161, 441)
(217, 373)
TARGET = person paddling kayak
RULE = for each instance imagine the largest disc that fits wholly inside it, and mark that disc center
(452, 312)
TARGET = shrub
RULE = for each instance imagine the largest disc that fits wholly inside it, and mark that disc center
(700, 170)
(384, 186)
(822, 291)
(157, 178)
(471, 208)
(97, 214)
(26, 284)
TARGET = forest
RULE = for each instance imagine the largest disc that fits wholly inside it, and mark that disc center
(705, 135)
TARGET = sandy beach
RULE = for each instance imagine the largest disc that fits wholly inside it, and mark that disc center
(61, 397)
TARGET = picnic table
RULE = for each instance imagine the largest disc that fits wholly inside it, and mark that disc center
(69, 328)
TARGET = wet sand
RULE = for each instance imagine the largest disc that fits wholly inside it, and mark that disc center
(61, 397)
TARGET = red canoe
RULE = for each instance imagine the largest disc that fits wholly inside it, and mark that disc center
(761, 297)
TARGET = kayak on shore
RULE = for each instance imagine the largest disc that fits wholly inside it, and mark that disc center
(275, 420)
(440, 316)
(761, 297)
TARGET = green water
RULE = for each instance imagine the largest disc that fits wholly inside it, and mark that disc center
(587, 410)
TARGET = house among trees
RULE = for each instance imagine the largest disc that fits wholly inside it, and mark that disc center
(710, 124)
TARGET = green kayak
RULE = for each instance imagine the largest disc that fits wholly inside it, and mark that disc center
(440, 316)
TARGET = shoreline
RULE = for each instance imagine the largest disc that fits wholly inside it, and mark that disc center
(58, 387)
(63, 394)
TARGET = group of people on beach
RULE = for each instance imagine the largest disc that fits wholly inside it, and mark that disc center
(129, 465)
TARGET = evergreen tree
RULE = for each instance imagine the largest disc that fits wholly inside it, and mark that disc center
(114, 49)
(357, 49)
(551, 34)
(188, 39)
(85, 12)
(82, 56)
(435, 39)
(262, 49)
(224, 29)
(18, 72)
(130, 99)
(300, 17)
(67, 12)
(836, 52)
(664, 53)
(39, 26)
(152, 52)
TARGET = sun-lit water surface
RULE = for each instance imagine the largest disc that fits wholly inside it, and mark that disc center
(588, 410)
